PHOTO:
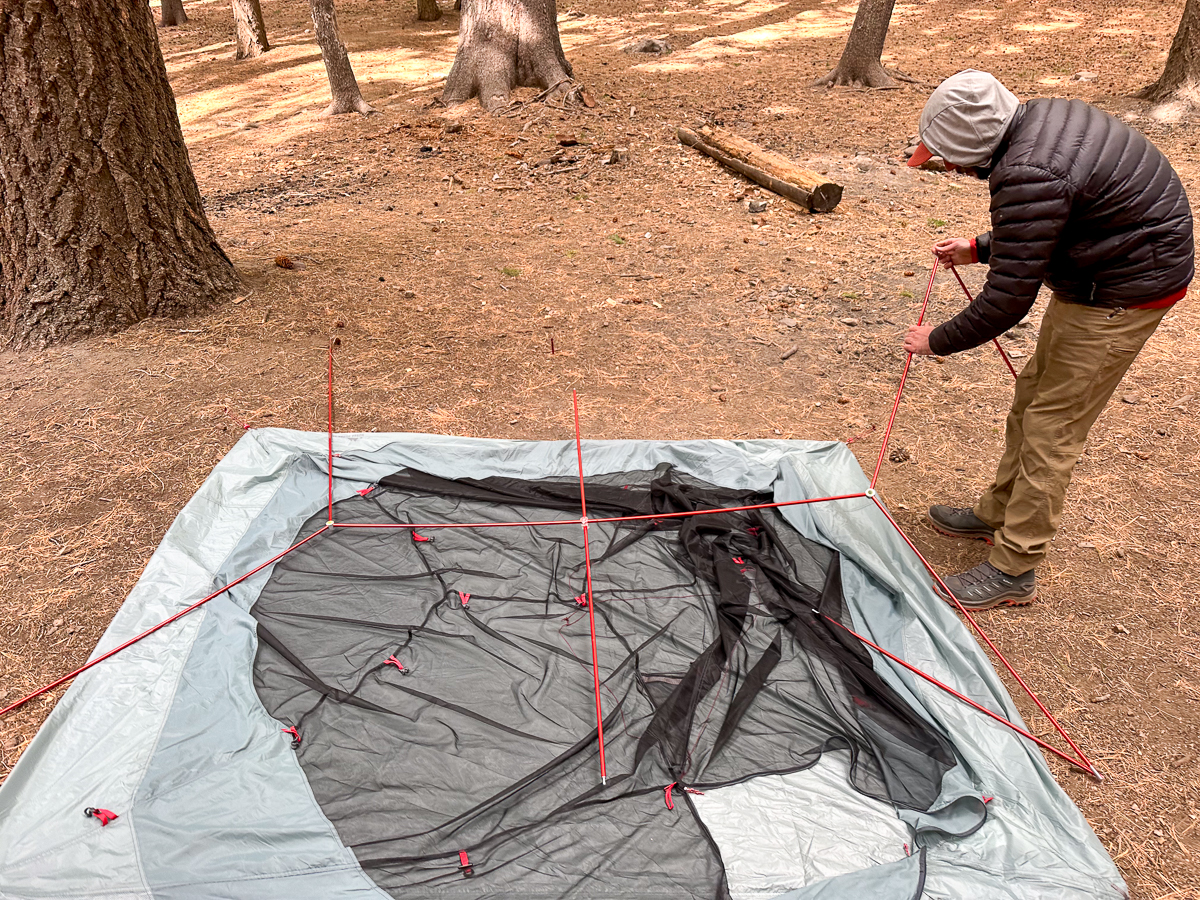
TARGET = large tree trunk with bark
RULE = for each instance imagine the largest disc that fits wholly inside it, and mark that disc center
(503, 44)
(101, 222)
(1183, 62)
(172, 13)
(342, 84)
(428, 11)
(860, 65)
(251, 30)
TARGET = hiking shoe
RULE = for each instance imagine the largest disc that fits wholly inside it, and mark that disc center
(954, 522)
(985, 587)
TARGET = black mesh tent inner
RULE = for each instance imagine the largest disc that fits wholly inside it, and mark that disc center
(441, 681)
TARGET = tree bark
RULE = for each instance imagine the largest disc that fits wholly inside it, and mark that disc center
(251, 30)
(172, 13)
(101, 221)
(503, 44)
(860, 65)
(1183, 62)
(342, 84)
(428, 11)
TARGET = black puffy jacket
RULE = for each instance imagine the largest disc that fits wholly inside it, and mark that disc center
(1081, 202)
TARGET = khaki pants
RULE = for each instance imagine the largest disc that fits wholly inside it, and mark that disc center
(1082, 354)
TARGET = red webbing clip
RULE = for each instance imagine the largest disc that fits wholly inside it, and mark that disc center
(738, 561)
(667, 795)
(581, 600)
(987, 799)
(465, 598)
(365, 491)
(104, 815)
(754, 530)
(420, 538)
(295, 735)
(464, 864)
(392, 661)
(694, 791)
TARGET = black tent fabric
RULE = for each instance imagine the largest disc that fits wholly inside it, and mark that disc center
(441, 684)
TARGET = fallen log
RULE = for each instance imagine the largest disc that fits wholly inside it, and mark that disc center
(772, 170)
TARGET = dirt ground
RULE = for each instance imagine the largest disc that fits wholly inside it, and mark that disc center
(477, 269)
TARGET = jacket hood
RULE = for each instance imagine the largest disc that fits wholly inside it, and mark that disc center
(966, 118)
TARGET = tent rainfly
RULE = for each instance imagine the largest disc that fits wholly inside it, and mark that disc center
(449, 684)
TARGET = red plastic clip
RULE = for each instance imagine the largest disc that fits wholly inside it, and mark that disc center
(464, 864)
(465, 598)
(581, 600)
(667, 795)
(104, 815)
(365, 491)
(420, 538)
(295, 735)
(906, 853)
(694, 791)
(739, 561)
(987, 799)
(754, 530)
(392, 661)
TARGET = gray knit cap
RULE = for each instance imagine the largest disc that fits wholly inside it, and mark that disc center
(966, 117)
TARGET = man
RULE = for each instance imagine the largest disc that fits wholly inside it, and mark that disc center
(1088, 206)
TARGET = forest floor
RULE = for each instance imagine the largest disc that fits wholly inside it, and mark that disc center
(477, 269)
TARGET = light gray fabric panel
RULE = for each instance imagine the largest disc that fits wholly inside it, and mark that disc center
(783, 832)
(99, 742)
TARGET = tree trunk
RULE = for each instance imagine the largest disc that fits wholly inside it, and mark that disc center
(428, 11)
(251, 30)
(101, 222)
(342, 84)
(860, 65)
(1183, 62)
(172, 13)
(503, 44)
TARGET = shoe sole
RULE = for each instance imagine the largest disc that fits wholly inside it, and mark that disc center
(1001, 601)
(970, 535)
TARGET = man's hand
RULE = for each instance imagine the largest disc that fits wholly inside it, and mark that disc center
(953, 251)
(917, 340)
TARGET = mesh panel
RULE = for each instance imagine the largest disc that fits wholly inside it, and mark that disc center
(714, 667)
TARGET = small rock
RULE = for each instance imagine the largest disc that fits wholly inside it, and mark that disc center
(789, 322)
(1131, 397)
(843, 400)
(1120, 629)
(57, 623)
(756, 206)
(1024, 323)
(788, 353)
(1084, 76)
(408, 295)
(853, 323)
(654, 46)
(1086, 545)
(716, 388)
(1016, 354)
(1120, 553)
(1102, 698)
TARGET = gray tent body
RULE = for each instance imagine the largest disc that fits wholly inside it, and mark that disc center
(212, 801)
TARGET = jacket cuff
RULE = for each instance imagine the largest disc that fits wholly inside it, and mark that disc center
(974, 251)
(939, 343)
(982, 246)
